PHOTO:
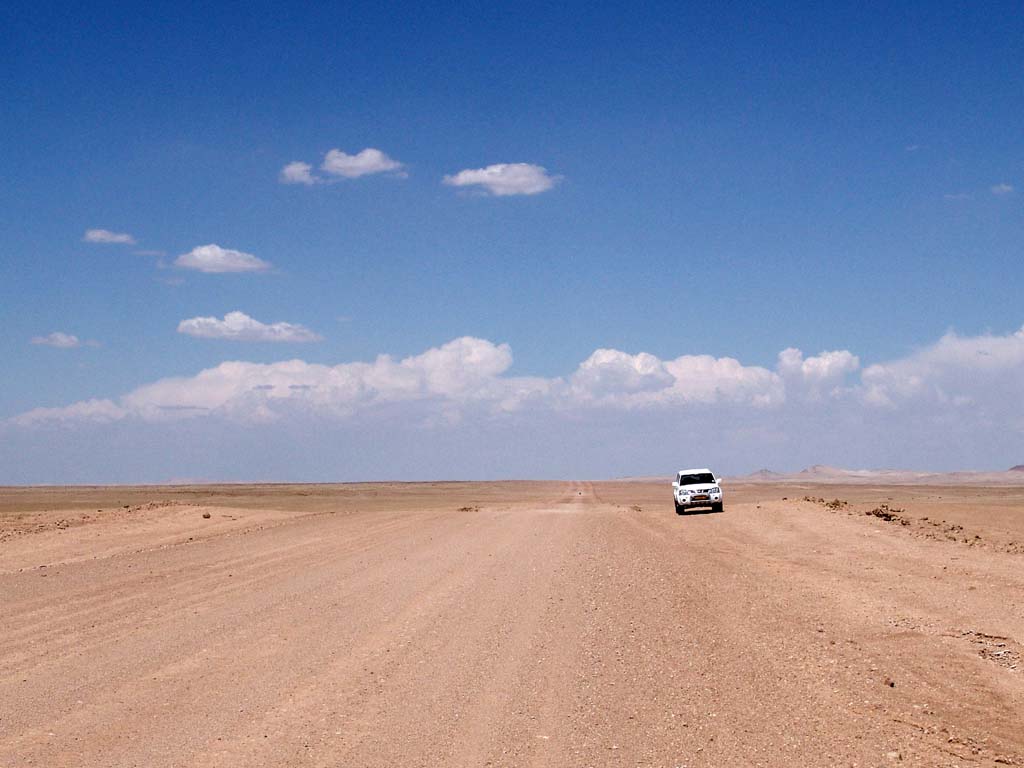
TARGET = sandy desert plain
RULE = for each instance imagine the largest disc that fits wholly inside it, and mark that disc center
(512, 624)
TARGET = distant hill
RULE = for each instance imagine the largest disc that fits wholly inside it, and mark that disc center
(762, 474)
(822, 473)
(823, 470)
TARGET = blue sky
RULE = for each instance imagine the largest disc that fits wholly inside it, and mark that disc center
(725, 180)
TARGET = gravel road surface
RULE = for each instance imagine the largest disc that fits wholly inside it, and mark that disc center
(516, 624)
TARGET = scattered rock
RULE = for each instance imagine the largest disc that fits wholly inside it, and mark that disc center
(996, 648)
(206, 515)
(885, 512)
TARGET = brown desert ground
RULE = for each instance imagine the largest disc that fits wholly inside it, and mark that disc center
(511, 624)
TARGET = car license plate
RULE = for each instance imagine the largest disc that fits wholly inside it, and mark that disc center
(702, 497)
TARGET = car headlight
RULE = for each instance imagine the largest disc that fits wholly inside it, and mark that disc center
(716, 489)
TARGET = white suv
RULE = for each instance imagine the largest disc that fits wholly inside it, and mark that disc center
(697, 488)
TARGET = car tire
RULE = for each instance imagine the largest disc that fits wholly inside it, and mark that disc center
(719, 507)
(680, 510)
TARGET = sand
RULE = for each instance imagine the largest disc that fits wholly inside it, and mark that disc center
(511, 624)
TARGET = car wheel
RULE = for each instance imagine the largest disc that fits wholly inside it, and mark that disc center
(719, 507)
(680, 510)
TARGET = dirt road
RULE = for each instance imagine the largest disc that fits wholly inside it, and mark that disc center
(541, 624)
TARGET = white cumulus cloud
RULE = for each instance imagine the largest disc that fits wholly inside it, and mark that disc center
(618, 379)
(339, 164)
(462, 370)
(84, 411)
(364, 163)
(505, 179)
(298, 173)
(465, 372)
(456, 408)
(987, 370)
(964, 389)
(826, 366)
(609, 373)
(214, 259)
(711, 380)
(238, 326)
(106, 236)
(1002, 189)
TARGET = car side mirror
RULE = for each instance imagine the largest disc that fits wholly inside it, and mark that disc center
(675, 483)
(718, 481)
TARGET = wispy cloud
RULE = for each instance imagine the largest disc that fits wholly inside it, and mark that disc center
(505, 179)
(62, 340)
(107, 237)
(238, 326)
(1002, 189)
(214, 259)
(338, 164)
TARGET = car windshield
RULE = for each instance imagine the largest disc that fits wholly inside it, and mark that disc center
(700, 477)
